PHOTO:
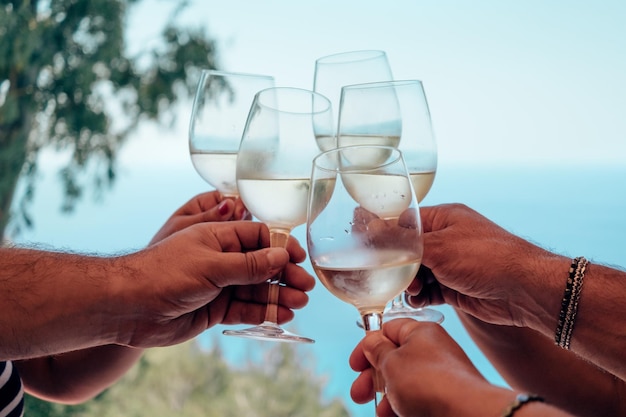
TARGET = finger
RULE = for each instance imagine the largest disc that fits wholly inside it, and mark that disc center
(435, 217)
(243, 312)
(292, 295)
(363, 216)
(220, 212)
(199, 210)
(225, 210)
(241, 212)
(239, 236)
(384, 409)
(376, 346)
(429, 294)
(362, 389)
(297, 277)
(357, 359)
(396, 333)
(252, 306)
(200, 203)
(208, 199)
(247, 268)
(297, 253)
(415, 287)
(408, 219)
(289, 298)
(424, 274)
(426, 214)
(424, 287)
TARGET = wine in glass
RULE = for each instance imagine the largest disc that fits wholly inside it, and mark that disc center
(274, 176)
(394, 113)
(364, 233)
(218, 116)
(337, 70)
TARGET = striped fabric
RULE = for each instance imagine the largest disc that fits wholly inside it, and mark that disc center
(11, 391)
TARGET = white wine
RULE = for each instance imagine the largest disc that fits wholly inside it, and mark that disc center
(280, 203)
(322, 189)
(387, 196)
(367, 278)
(326, 142)
(218, 169)
(422, 182)
(380, 140)
(366, 158)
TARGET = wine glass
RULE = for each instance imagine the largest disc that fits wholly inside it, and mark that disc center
(353, 67)
(394, 113)
(218, 116)
(274, 176)
(364, 233)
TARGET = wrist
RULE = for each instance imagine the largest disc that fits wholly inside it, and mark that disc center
(124, 308)
(521, 401)
(530, 405)
(542, 282)
(488, 400)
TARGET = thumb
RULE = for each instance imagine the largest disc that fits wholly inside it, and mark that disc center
(250, 267)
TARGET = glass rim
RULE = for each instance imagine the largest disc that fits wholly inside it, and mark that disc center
(351, 56)
(358, 169)
(314, 107)
(381, 84)
(205, 71)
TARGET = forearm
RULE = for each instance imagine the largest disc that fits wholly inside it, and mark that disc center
(53, 303)
(598, 334)
(493, 401)
(75, 377)
(531, 362)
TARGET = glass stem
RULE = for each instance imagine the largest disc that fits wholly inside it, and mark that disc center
(398, 301)
(277, 240)
(374, 322)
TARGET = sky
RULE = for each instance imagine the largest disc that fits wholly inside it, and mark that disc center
(530, 82)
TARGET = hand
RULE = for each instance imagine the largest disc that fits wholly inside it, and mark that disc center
(478, 267)
(206, 274)
(206, 207)
(402, 233)
(425, 371)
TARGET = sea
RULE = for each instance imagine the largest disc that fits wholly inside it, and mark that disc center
(569, 209)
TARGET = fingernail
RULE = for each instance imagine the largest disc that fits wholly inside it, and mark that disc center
(222, 208)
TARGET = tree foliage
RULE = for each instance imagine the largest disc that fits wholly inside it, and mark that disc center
(188, 381)
(67, 82)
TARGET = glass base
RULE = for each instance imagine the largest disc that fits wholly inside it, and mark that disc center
(419, 314)
(268, 331)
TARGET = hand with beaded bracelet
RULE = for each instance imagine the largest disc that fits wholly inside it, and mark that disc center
(427, 373)
(550, 324)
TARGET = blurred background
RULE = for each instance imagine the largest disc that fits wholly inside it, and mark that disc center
(528, 101)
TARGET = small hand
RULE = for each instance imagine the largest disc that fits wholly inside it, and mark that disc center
(425, 370)
(206, 207)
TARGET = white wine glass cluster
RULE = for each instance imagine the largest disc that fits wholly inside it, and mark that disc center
(252, 140)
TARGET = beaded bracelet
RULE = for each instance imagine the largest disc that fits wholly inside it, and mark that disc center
(569, 303)
(520, 401)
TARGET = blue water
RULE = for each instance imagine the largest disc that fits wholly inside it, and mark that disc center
(570, 210)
